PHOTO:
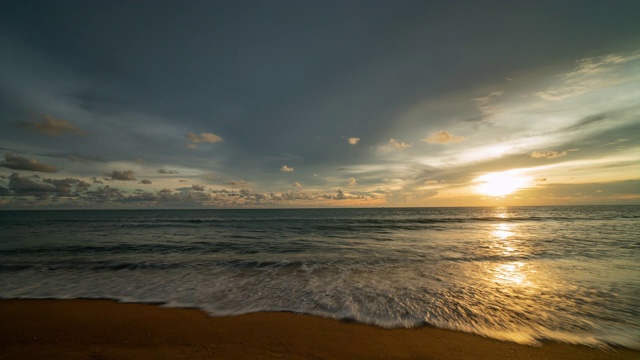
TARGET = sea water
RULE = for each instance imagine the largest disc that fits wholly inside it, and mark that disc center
(525, 274)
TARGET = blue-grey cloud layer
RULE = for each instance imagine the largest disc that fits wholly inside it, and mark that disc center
(285, 83)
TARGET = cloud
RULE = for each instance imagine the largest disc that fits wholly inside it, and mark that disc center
(443, 137)
(235, 182)
(29, 186)
(548, 154)
(145, 181)
(42, 189)
(296, 184)
(340, 195)
(615, 142)
(103, 194)
(600, 65)
(182, 198)
(126, 175)
(587, 121)
(39, 187)
(19, 163)
(590, 74)
(52, 127)
(95, 180)
(285, 168)
(481, 101)
(140, 196)
(352, 181)
(202, 138)
(68, 186)
(431, 182)
(486, 104)
(354, 140)
(167, 171)
(395, 144)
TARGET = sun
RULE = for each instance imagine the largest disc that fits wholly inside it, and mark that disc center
(500, 183)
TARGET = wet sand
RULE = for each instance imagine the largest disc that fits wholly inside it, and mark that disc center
(103, 329)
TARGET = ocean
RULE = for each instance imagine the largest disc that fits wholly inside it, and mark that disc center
(524, 274)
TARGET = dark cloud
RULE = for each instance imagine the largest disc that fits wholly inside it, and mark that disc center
(29, 186)
(140, 196)
(591, 143)
(586, 121)
(68, 186)
(475, 119)
(167, 171)
(104, 194)
(145, 181)
(126, 175)
(43, 188)
(186, 198)
(19, 163)
(52, 127)
(612, 116)
(341, 195)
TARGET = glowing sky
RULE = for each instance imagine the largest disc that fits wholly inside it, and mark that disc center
(131, 104)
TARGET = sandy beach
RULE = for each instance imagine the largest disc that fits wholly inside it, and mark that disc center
(103, 329)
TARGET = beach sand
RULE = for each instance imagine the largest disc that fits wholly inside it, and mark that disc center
(103, 329)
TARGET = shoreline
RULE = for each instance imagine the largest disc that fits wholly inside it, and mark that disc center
(106, 329)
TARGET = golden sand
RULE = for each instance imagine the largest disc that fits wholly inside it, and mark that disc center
(102, 329)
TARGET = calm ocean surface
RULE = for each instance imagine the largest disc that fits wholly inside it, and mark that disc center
(570, 274)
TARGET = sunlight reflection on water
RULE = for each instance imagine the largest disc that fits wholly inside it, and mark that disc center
(512, 273)
(504, 241)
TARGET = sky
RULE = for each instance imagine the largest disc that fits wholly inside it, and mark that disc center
(233, 104)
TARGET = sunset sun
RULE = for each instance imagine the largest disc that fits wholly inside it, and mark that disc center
(500, 183)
